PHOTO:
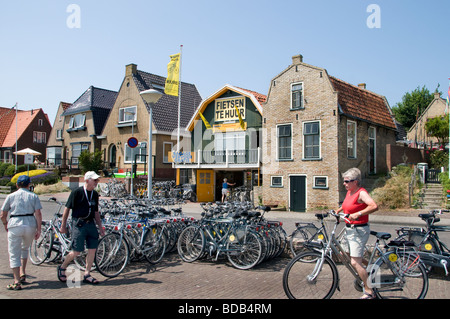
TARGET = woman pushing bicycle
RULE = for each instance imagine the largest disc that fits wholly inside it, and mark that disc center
(358, 205)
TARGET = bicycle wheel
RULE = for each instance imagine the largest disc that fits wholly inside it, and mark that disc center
(41, 248)
(112, 255)
(191, 243)
(302, 278)
(301, 236)
(410, 283)
(155, 242)
(244, 252)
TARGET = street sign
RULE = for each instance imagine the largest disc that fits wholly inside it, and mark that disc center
(132, 142)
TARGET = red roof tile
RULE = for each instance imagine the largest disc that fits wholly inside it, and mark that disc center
(363, 104)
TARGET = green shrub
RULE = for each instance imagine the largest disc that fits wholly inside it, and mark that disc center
(91, 161)
(10, 170)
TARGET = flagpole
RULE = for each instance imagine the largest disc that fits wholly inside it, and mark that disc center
(16, 136)
(179, 102)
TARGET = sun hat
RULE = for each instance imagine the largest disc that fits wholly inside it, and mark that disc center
(23, 180)
(91, 175)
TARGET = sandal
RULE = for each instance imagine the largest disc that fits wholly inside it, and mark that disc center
(88, 279)
(23, 279)
(14, 286)
(62, 277)
(368, 296)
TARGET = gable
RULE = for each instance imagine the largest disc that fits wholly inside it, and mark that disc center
(230, 95)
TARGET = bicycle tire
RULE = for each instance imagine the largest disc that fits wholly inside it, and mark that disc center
(296, 283)
(245, 253)
(300, 236)
(41, 248)
(155, 243)
(112, 255)
(191, 244)
(386, 284)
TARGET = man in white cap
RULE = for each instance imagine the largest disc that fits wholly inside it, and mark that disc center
(83, 201)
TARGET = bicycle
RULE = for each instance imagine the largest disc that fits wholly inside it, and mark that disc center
(432, 251)
(114, 249)
(396, 273)
(53, 241)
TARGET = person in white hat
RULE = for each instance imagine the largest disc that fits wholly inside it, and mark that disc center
(83, 201)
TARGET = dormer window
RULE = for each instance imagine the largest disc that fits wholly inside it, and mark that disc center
(77, 121)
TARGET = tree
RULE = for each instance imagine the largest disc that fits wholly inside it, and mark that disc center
(91, 161)
(412, 105)
(438, 127)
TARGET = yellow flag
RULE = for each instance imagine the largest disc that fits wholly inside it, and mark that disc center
(173, 75)
(240, 117)
(208, 126)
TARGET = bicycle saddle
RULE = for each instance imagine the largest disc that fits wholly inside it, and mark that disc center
(381, 235)
(321, 215)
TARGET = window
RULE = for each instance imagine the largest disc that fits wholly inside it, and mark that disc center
(167, 147)
(230, 141)
(41, 122)
(76, 151)
(351, 139)
(58, 134)
(139, 152)
(276, 181)
(127, 114)
(284, 133)
(40, 137)
(296, 95)
(77, 121)
(311, 140)
(321, 182)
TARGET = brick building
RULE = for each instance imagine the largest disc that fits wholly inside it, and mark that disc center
(316, 127)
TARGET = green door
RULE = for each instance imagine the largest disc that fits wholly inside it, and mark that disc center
(297, 193)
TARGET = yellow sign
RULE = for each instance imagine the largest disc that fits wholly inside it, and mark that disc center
(227, 109)
(393, 258)
(229, 127)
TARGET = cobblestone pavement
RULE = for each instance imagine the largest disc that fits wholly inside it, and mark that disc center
(174, 279)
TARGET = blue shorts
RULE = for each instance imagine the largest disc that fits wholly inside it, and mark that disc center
(87, 233)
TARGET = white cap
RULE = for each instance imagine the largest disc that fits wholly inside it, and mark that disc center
(90, 175)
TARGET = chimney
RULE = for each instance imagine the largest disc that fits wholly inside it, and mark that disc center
(297, 59)
(130, 69)
(362, 85)
(437, 95)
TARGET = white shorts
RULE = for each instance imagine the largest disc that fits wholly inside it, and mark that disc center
(357, 238)
(224, 191)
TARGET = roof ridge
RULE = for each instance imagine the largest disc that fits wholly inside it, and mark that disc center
(356, 86)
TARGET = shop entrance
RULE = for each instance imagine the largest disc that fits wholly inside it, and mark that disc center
(205, 185)
(232, 177)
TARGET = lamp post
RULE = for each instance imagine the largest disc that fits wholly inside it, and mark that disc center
(150, 96)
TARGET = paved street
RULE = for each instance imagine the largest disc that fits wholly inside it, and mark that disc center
(174, 279)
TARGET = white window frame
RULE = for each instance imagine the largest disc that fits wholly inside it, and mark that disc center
(77, 120)
(166, 154)
(320, 141)
(278, 144)
(276, 185)
(125, 114)
(137, 150)
(354, 153)
(302, 100)
(39, 137)
(320, 187)
(59, 134)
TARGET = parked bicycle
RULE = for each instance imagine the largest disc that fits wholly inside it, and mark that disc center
(432, 250)
(396, 273)
(53, 245)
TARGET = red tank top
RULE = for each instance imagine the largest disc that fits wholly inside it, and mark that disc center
(351, 206)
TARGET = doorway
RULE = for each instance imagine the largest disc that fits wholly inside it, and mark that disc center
(297, 193)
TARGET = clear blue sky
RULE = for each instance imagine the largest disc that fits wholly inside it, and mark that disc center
(240, 42)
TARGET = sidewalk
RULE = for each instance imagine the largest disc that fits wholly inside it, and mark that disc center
(394, 217)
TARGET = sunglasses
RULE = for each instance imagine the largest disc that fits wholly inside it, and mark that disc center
(349, 181)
